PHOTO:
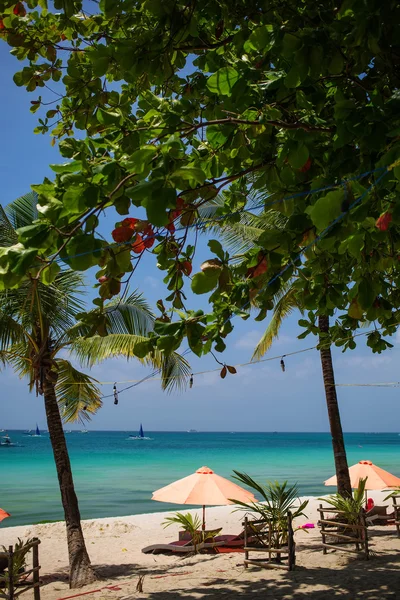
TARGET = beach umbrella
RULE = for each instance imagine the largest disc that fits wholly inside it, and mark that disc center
(204, 488)
(3, 515)
(377, 478)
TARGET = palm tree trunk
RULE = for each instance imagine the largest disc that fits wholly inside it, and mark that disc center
(81, 572)
(339, 450)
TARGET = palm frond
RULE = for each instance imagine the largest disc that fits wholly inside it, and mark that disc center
(11, 332)
(93, 350)
(284, 306)
(22, 211)
(78, 395)
(130, 314)
(175, 372)
(18, 357)
(8, 236)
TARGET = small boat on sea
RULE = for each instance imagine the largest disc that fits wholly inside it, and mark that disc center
(37, 432)
(141, 435)
(84, 431)
(192, 431)
(6, 441)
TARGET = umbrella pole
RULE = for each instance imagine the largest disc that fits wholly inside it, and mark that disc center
(204, 518)
(366, 498)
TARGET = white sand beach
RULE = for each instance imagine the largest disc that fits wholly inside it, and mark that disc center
(115, 544)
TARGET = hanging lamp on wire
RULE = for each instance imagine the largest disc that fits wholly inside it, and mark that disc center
(115, 393)
(283, 367)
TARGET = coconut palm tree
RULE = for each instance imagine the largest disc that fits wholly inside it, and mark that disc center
(38, 326)
(240, 237)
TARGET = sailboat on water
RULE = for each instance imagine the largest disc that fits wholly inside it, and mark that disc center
(37, 432)
(141, 435)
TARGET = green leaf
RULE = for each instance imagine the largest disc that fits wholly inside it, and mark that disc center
(140, 160)
(326, 209)
(217, 135)
(49, 274)
(143, 349)
(223, 80)
(291, 43)
(168, 343)
(293, 79)
(69, 167)
(162, 328)
(336, 65)
(109, 117)
(366, 294)
(191, 174)
(141, 192)
(298, 156)
(202, 283)
(355, 311)
(157, 205)
(216, 248)
(261, 39)
(38, 235)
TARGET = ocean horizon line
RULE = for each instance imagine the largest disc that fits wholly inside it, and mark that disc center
(275, 431)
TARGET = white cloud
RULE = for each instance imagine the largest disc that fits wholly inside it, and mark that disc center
(372, 361)
(250, 339)
(151, 282)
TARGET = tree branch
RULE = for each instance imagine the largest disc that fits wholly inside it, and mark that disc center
(282, 124)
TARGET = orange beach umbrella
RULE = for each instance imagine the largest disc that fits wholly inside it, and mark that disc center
(377, 478)
(3, 515)
(204, 488)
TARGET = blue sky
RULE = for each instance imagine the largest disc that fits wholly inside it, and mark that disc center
(259, 398)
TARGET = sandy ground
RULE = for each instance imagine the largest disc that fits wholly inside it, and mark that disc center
(115, 548)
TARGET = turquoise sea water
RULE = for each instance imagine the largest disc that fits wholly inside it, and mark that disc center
(115, 476)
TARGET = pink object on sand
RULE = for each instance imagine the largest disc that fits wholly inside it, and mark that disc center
(307, 526)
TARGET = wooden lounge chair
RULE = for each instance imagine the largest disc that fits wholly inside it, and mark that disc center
(378, 515)
(181, 547)
(237, 541)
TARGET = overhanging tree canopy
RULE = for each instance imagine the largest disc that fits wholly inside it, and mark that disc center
(250, 103)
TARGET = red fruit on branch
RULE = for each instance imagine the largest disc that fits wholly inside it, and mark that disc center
(129, 222)
(102, 279)
(170, 227)
(138, 245)
(114, 287)
(261, 268)
(186, 267)
(19, 10)
(2, 26)
(148, 230)
(180, 203)
(122, 234)
(149, 242)
(175, 214)
(306, 167)
(63, 37)
(384, 221)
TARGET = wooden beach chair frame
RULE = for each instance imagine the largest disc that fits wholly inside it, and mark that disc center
(258, 537)
(21, 582)
(396, 510)
(181, 548)
(338, 528)
(379, 515)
